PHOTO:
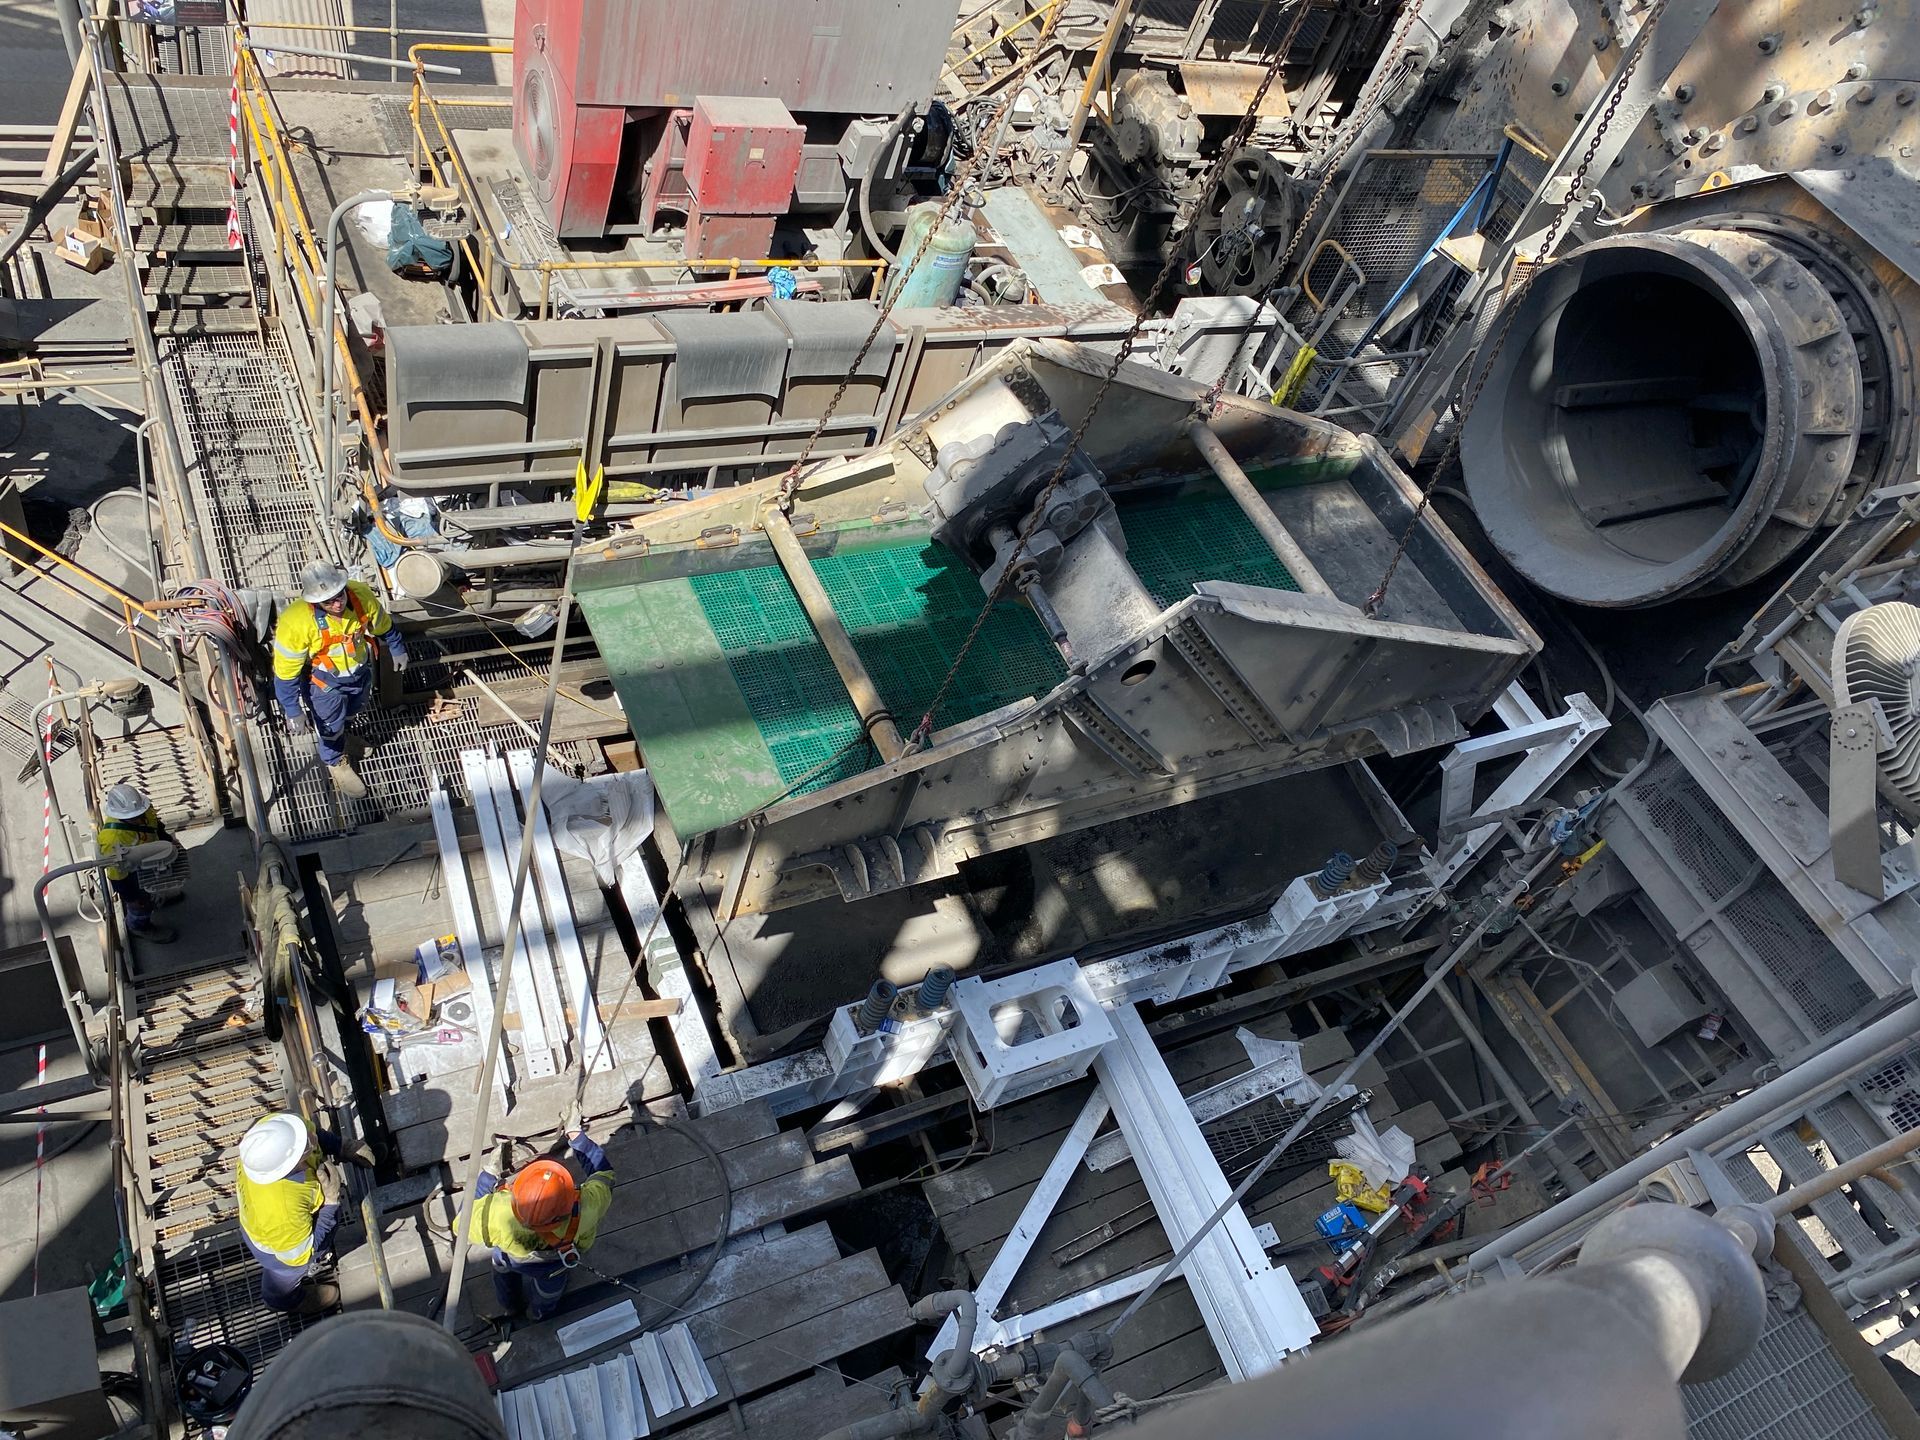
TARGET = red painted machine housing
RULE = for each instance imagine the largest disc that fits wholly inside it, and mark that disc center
(743, 152)
(571, 151)
(595, 79)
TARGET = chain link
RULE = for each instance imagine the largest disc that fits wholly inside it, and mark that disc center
(1476, 372)
(1349, 133)
(956, 189)
(1215, 172)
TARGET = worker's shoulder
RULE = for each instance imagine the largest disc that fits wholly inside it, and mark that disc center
(295, 615)
(363, 592)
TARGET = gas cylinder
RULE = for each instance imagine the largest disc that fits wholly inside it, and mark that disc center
(935, 280)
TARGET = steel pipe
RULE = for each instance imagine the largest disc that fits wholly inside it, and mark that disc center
(1901, 1147)
(1862, 1048)
(329, 347)
(1591, 1353)
(72, 998)
(874, 714)
(1254, 505)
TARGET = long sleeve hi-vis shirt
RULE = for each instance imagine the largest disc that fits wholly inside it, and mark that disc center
(288, 1218)
(494, 1224)
(116, 836)
(309, 644)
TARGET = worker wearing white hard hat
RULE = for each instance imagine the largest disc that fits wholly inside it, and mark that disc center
(323, 652)
(289, 1208)
(127, 820)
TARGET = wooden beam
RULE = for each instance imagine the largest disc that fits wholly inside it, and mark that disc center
(68, 124)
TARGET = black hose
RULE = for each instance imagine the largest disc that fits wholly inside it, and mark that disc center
(722, 1231)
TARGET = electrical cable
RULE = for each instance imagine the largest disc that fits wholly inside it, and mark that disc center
(67, 1143)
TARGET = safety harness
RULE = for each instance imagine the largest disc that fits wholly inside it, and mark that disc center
(347, 640)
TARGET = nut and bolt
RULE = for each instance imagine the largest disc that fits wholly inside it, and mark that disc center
(1786, 109)
(1772, 93)
(1714, 145)
(1769, 44)
(1823, 101)
(1903, 96)
(1683, 94)
(1749, 124)
(1858, 71)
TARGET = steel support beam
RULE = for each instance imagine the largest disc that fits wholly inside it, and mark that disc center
(466, 923)
(595, 1051)
(521, 968)
(1253, 1312)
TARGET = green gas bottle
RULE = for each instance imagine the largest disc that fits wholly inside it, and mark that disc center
(935, 278)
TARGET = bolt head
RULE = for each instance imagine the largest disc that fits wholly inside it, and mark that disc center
(1772, 93)
(1903, 96)
(1823, 101)
(1749, 124)
(1714, 144)
(1786, 109)
(1683, 94)
(1769, 44)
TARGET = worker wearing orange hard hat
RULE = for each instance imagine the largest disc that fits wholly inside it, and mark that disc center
(537, 1224)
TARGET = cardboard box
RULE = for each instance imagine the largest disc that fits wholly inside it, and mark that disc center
(88, 252)
(95, 217)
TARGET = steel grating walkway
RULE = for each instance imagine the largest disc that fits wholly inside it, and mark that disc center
(203, 1071)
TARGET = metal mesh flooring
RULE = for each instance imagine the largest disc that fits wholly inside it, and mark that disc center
(156, 119)
(247, 463)
(210, 1292)
(207, 1070)
(1793, 1387)
(401, 753)
(167, 765)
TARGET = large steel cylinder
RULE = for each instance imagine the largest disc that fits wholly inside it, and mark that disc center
(1670, 413)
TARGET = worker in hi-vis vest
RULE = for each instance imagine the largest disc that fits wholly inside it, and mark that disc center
(288, 1210)
(128, 820)
(323, 654)
(536, 1225)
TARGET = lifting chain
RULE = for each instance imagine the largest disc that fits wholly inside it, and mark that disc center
(1475, 372)
(1370, 101)
(956, 189)
(1008, 572)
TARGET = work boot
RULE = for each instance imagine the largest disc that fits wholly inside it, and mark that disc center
(158, 934)
(347, 780)
(317, 1297)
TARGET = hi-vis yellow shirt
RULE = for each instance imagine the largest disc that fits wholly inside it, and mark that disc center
(113, 836)
(279, 1215)
(494, 1223)
(337, 645)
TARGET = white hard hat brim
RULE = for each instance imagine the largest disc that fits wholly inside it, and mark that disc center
(274, 1148)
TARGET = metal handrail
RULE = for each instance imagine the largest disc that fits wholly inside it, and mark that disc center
(281, 191)
(491, 256)
(129, 606)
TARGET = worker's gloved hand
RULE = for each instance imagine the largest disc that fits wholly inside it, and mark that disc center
(400, 661)
(504, 1159)
(359, 1153)
(330, 1187)
(298, 724)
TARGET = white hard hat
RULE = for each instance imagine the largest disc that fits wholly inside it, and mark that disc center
(321, 581)
(125, 802)
(274, 1148)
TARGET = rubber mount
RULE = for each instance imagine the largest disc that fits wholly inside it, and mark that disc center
(1707, 1250)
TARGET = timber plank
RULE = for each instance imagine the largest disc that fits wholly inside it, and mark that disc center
(748, 1265)
(815, 1340)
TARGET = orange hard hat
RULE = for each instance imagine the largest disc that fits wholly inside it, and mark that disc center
(544, 1195)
